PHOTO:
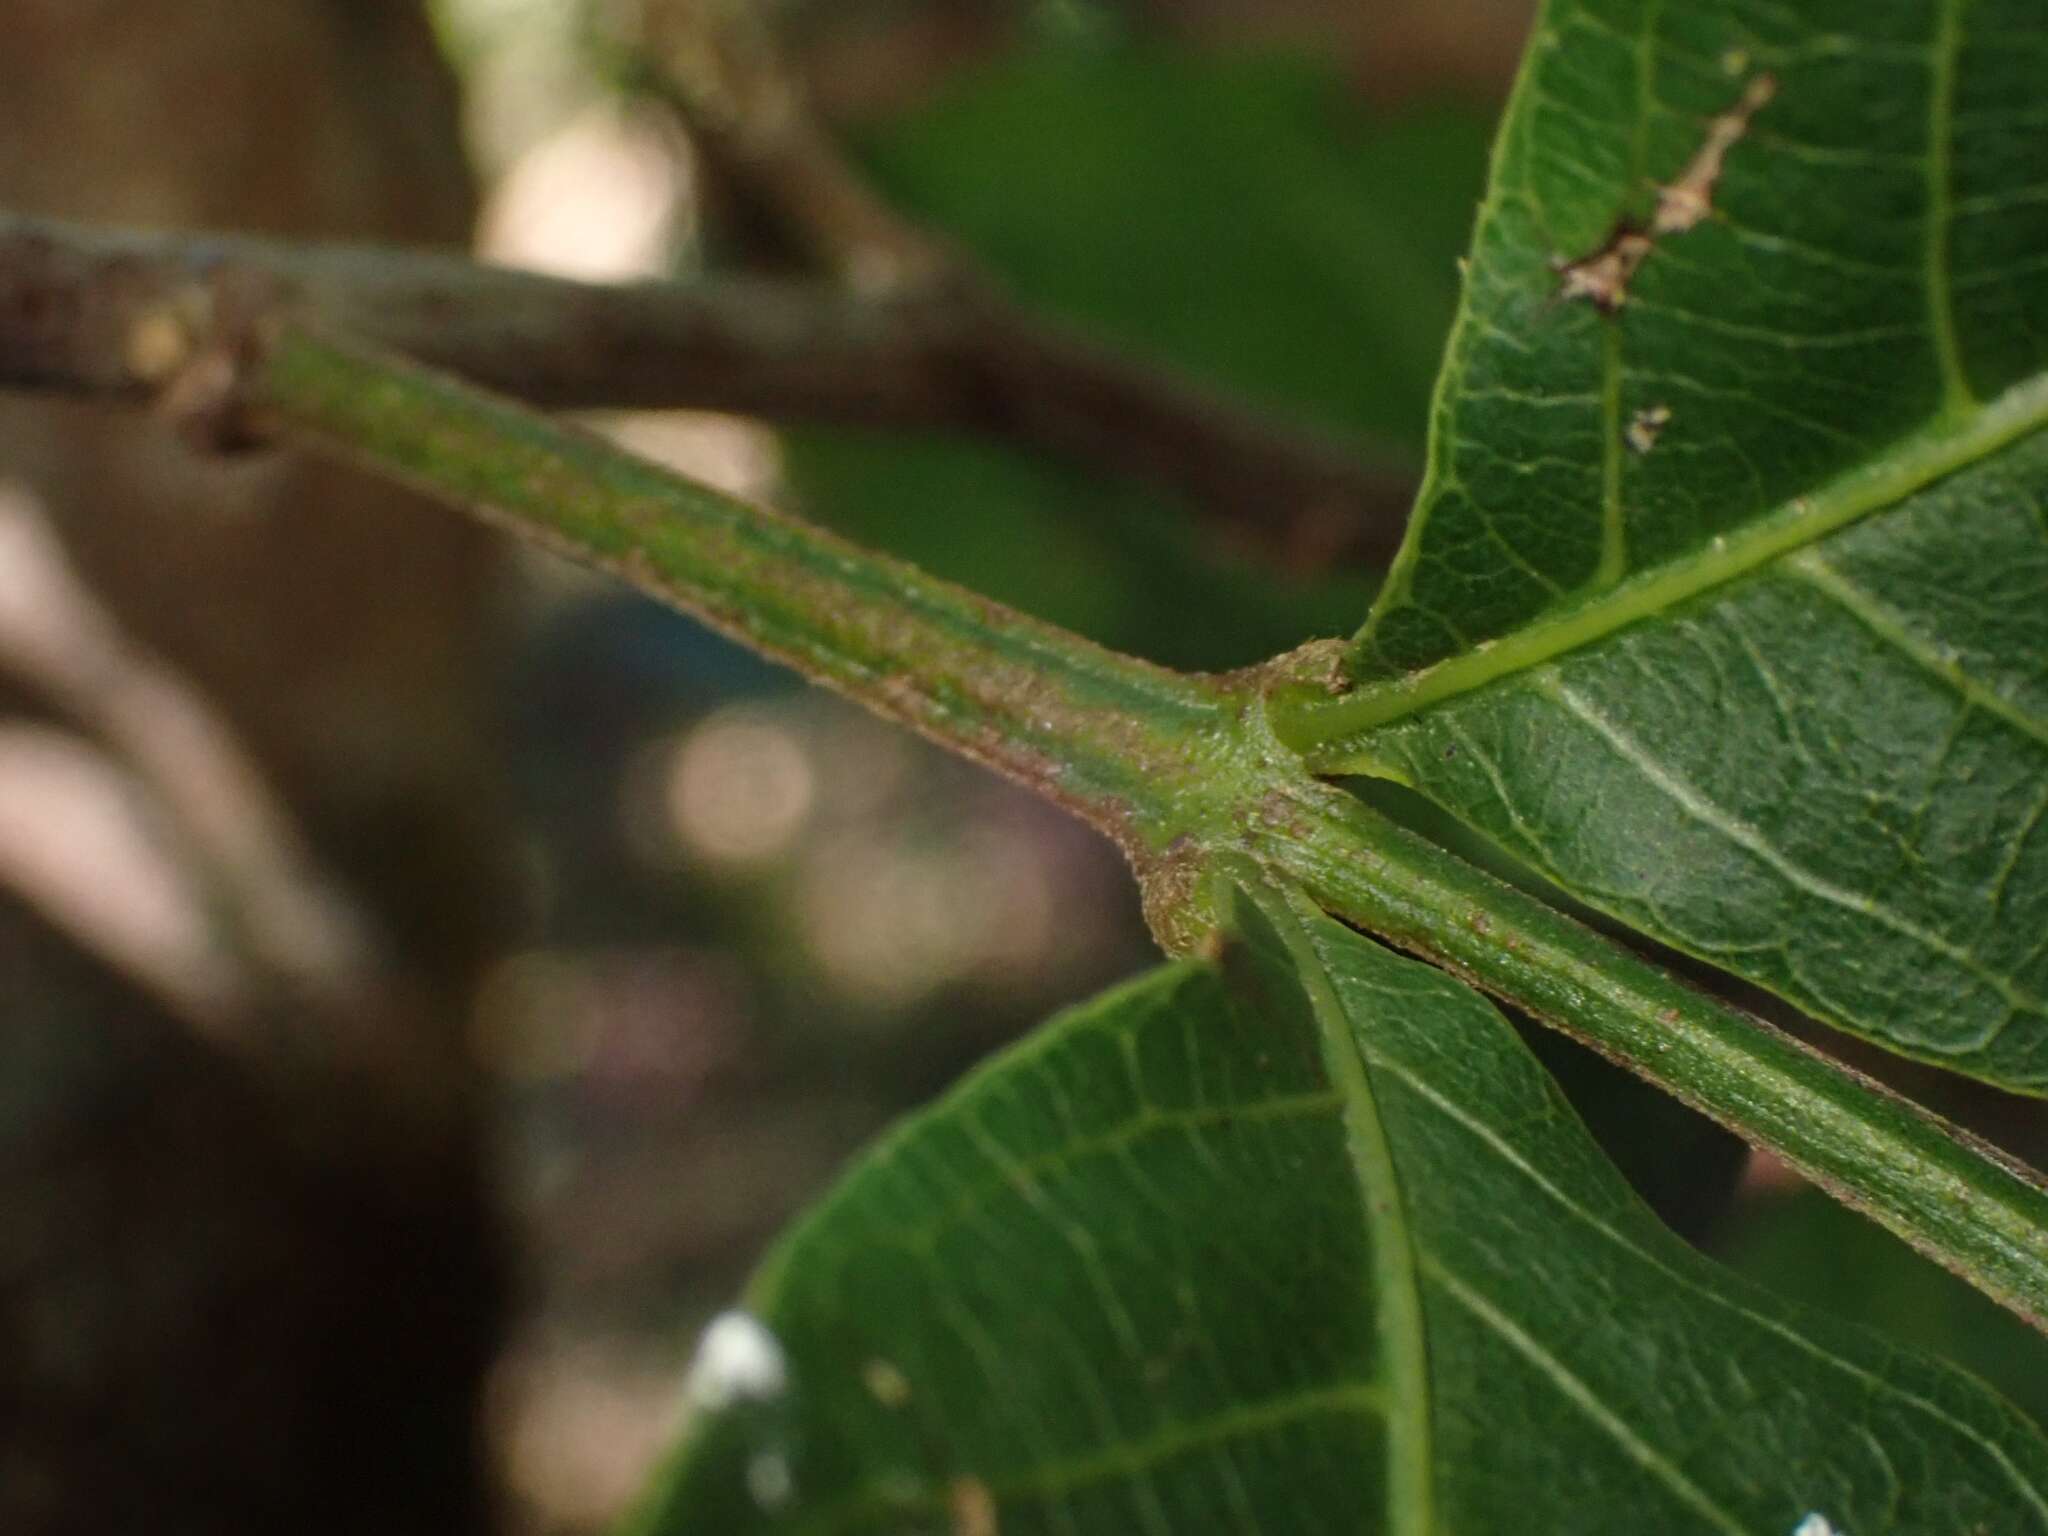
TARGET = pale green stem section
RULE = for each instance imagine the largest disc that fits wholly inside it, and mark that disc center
(1114, 738)
(1181, 770)
(1959, 1202)
(1324, 727)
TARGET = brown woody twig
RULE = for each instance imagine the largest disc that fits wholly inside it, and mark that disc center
(717, 65)
(95, 311)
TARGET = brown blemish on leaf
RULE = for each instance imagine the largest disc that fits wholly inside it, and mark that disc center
(1689, 199)
(1602, 276)
(1646, 426)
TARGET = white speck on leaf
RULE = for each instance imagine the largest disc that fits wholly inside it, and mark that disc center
(1816, 1524)
(738, 1360)
(1645, 427)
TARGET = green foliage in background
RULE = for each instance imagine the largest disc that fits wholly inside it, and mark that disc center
(1209, 213)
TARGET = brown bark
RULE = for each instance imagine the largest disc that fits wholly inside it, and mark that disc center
(252, 1291)
(98, 311)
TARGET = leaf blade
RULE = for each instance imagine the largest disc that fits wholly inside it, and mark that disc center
(1577, 1234)
(1802, 329)
(1828, 778)
(1847, 346)
(1176, 1320)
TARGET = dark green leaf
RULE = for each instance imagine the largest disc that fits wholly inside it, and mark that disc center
(1830, 777)
(1728, 607)
(1242, 218)
(1806, 1246)
(1304, 1242)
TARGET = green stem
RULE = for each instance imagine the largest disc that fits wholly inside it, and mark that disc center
(1329, 729)
(1178, 769)
(1118, 740)
(1961, 1203)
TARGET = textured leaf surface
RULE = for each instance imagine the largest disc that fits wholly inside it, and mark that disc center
(1804, 1245)
(1831, 777)
(1728, 607)
(1304, 1243)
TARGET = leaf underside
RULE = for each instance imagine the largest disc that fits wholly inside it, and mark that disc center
(1727, 607)
(1305, 1242)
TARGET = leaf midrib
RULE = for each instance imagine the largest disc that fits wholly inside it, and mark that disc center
(1498, 1146)
(1397, 1294)
(1326, 730)
(1654, 1462)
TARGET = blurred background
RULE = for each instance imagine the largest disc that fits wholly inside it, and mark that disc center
(428, 974)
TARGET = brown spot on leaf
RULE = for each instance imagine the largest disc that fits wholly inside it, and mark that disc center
(1683, 203)
(1602, 276)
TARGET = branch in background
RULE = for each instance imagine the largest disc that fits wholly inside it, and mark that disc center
(112, 312)
(139, 826)
(718, 67)
(82, 847)
(750, 118)
(220, 908)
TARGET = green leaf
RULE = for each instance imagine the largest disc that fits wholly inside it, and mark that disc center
(1830, 777)
(1243, 218)
(1728, 608)
(1304, 1241)
(1803, 1245)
